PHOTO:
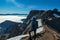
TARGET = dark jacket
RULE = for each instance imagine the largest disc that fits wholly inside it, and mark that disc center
(34, 25)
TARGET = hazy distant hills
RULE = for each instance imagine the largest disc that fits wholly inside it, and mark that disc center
(8, 26)
(14, 14)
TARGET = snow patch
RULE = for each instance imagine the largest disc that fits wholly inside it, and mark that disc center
(21, 36)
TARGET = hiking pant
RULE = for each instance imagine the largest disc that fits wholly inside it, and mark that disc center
(34, 35)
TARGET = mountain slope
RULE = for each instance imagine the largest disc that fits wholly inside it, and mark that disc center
(7, 25)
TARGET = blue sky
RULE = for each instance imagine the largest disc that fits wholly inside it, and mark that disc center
(24, 6)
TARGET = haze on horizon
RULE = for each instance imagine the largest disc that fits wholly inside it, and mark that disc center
(12, 18)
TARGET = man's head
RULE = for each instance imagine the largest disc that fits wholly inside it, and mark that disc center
(34, 18)
(55, 10)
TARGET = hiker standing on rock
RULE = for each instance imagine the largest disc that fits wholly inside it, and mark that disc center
(34, 26)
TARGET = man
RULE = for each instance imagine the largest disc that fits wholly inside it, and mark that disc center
(34, 26)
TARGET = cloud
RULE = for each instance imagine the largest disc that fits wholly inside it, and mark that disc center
(11, 18)
(21, 5)
(25, 8)
(15, 3)
(32, 7)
